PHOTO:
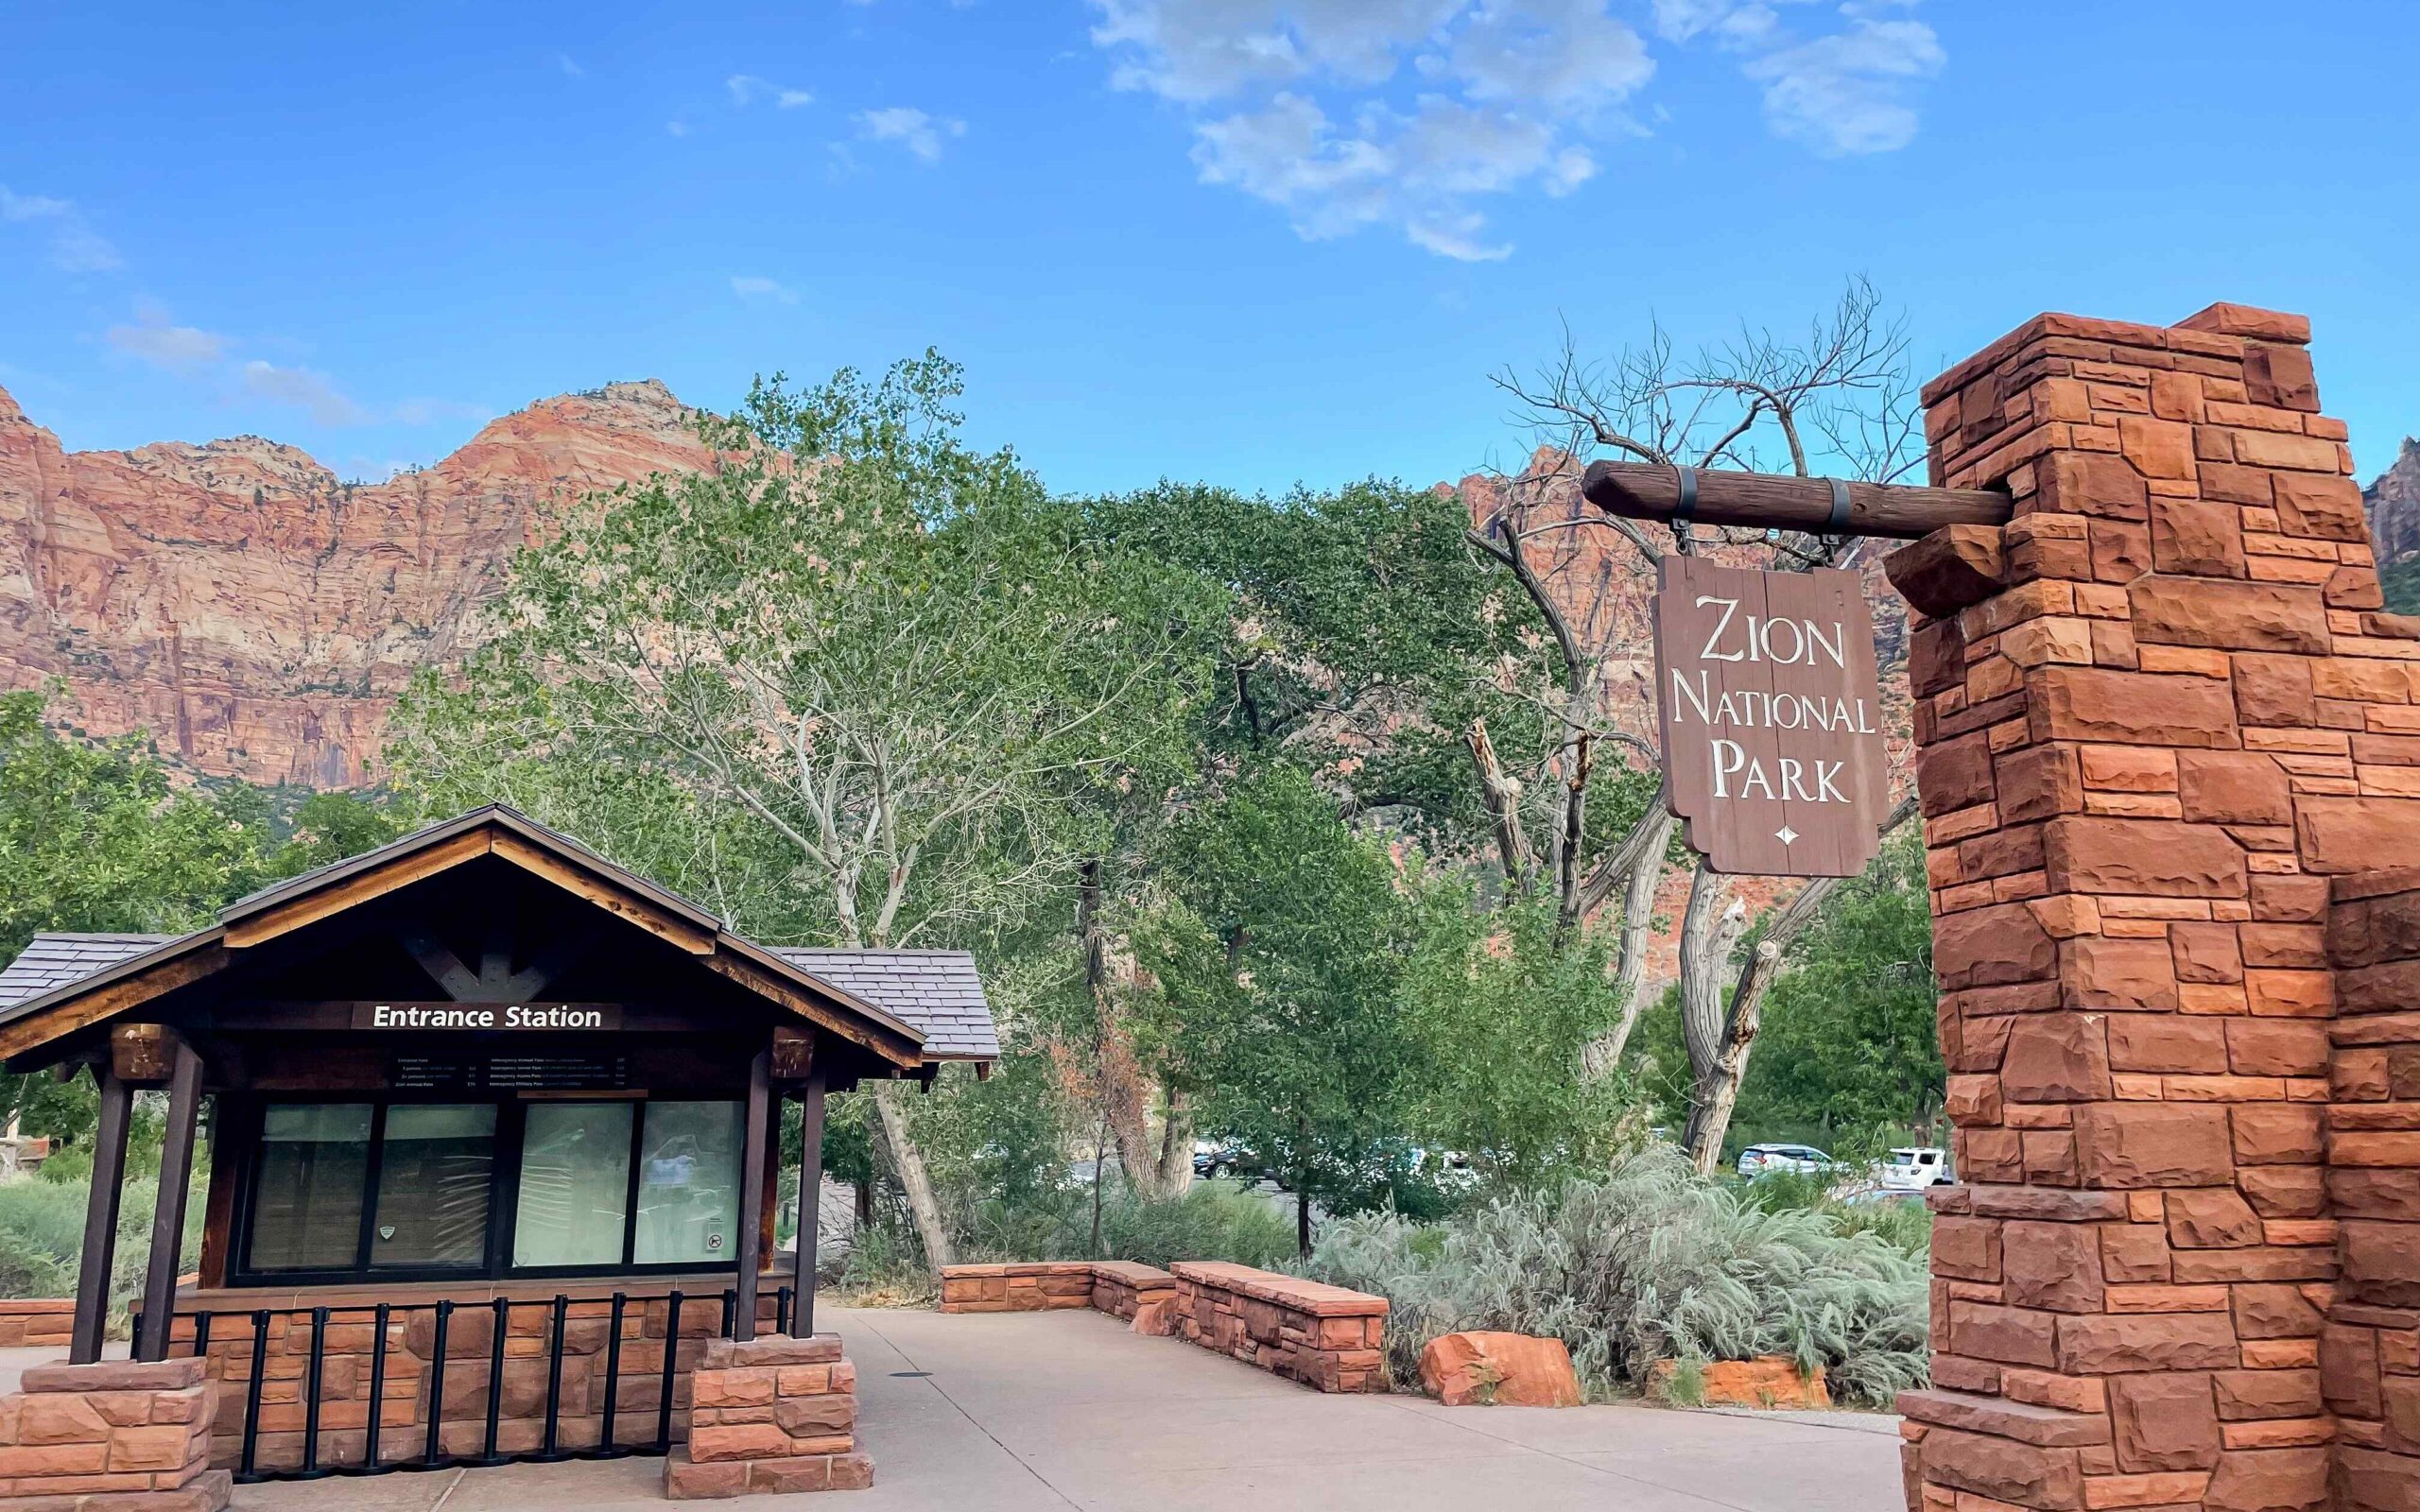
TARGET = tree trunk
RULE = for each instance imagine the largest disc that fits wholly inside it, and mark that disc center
(1709, 933)
(1718, 1090)
(921, 1205)
(1630, 991)
(1126, 1095)
(1302, 1217)
(1501, 792)
(1719, 1076)
(1176, 1148)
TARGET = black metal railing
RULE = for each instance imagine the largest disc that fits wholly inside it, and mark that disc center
(239, 1342)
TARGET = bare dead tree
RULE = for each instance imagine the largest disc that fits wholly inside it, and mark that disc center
(1839, 396)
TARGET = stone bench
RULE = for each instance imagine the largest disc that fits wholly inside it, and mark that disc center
(1323, 1337)
(1142, 1295)
(1032, 1287)
(39, 1322)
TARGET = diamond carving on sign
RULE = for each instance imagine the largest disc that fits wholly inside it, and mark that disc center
(1786, 834)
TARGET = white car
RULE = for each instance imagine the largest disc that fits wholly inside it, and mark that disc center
(1762, 1160)
(1913, 1168)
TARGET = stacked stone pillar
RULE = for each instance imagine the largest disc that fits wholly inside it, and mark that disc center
(2160, 717)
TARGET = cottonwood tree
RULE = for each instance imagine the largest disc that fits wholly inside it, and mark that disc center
(1837, 399)
(1351, 611)
(1281, 948)
(852, 679)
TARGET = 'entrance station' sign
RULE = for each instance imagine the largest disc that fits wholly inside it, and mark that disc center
(487, 1016)
(1771, 717)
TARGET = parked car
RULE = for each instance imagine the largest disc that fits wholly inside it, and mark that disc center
(1762, 1160)
(1914, 1168)
(1217, 1158)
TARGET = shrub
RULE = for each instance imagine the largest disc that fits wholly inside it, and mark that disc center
(1209, 1220)
(1652, 1262)
(42, 1237)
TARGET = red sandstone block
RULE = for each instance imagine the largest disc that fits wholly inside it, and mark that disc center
(2109, 1345)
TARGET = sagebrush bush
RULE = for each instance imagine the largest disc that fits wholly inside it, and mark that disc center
(42, 1237)
(1651, 1263)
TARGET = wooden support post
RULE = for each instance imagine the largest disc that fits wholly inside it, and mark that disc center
(751, 1193)
(810, 1200)
(168, 1214)
(100, 1220)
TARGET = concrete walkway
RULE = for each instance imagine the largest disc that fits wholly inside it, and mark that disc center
(1042, 1412)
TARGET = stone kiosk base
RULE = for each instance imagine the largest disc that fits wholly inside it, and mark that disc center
(772, 1414)
(110, 1437)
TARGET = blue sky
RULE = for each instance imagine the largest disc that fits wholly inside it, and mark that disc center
(1253, 241)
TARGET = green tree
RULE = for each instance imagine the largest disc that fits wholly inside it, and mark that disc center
(1505, 1004)
(1849, 1037)
(848, 685)
(95, 837)
(1848, 1042)
(1282, 951)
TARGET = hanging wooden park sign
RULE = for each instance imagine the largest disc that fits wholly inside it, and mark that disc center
(1771, 717)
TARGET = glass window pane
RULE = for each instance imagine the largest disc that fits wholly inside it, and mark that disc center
(307, 1211)
(575, 1185)
(433, 1179)
(689, 1184)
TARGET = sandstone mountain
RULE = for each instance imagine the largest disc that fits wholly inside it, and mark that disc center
(2394, 502)
(254, 612)
(257, 614)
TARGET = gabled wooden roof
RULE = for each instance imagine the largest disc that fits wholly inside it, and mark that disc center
(62, 983)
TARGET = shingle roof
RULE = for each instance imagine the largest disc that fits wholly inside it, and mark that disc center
(940, 993)
(52, 962)
(936, 993)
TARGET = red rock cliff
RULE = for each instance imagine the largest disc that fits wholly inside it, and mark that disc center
(256, 613)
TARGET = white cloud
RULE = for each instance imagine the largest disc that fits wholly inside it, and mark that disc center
(1845, 93)
(570, 67)
(154, 337)
(1840, 94)
(1413, 114)
(749, 287)
(747, 89)
(306, 387)
(920, 133)
(74, 245)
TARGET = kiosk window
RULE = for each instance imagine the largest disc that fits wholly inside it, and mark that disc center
(306, 1207)
(575, 1185)
(358, 1189)
(688, 1184)
(435, 1168)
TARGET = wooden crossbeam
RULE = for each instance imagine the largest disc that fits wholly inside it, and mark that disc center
(1639, 491)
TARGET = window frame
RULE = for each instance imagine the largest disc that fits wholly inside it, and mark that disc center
(504, 1195)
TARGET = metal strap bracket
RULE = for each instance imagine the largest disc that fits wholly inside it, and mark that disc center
(1839, 524)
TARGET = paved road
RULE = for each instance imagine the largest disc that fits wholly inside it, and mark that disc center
(1045, 1412)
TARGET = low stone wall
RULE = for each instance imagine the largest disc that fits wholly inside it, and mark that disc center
(350, 1336)
(116, 1436)
(1323, 1337)
(1028, 1287)
(37, 1323)
(775, 1414)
